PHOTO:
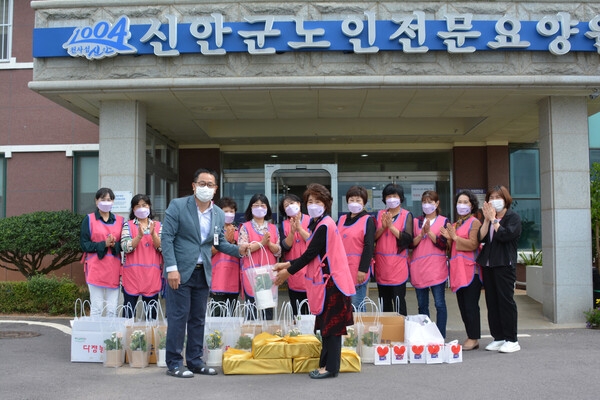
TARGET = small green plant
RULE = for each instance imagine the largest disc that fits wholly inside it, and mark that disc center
(162, 340)
(592, 317)
(535, 258)
(138, 341)
(262, 282)
(114, 341)
(244, 343)
(370, 338)
(214, 340)
(351, 340)
(294, 332)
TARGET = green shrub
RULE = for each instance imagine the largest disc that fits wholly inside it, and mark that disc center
(40, 242)
(41, 295)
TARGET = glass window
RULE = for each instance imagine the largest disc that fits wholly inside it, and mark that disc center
(594, 131)
(525, 190)
(161, 172)
(2, 187)
(6, 7)
(85, 182)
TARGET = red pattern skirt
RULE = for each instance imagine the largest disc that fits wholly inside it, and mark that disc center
(337, 312)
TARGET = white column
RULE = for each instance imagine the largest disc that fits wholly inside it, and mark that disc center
(122, 154)
(565, 199)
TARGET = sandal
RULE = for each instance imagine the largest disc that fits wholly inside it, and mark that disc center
(204, 370)
(180, 372)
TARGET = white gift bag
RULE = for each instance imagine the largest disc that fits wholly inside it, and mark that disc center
(435, 353)
(453, 352)
(399, 353)
(382, 355)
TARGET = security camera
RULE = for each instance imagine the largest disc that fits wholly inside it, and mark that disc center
(594, 95)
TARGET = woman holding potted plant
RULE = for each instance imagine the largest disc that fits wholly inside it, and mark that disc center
(465, 274)
(330, 283)
(258, 234)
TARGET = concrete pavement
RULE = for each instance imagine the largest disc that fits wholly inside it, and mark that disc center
(556, 362)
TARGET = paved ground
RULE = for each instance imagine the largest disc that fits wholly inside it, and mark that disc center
(556, 362)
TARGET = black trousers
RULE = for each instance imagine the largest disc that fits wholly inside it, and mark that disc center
(130, 301)
(499, 284)
(468, 304)
(297, 298)
(393, 298)
(229, 299)
(331, 354)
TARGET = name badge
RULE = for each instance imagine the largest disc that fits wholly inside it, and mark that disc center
(216, 240)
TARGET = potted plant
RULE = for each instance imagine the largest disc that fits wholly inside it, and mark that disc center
(351, 339)
(138, 346)
(244, 342)
(294, 332)
(162, 348)
(214, 345)
(592, 317)
(368, 341)
(533, 273)
(262, 290)
(113, 350)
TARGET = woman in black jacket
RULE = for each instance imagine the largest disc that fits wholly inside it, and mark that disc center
(499, 234)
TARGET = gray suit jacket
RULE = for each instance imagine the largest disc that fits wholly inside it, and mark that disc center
(181, 243)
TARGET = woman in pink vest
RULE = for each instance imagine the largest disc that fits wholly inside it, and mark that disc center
(394, 235)
(293, 232)
(329, 282)
(357, 229)
(259, 234)
(225, 285)
(465, 273)
(428, 268)
(142, 268)
(100, 242)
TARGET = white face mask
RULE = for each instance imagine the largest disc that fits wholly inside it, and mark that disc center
(392, 202)
(204, 194)
(498, 204)
(259, 212)
(142, 212)
(428, 208)
(292, 210)
(463, 209)
(355, 208)
(105, 206)
(315, 210)
(229, 217)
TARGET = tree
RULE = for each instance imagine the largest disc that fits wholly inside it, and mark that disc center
(29, 241)
(595, 209)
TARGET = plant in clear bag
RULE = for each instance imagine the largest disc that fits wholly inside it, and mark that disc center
(265, 292)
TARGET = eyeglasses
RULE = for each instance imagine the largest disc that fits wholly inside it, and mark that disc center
(203, 184)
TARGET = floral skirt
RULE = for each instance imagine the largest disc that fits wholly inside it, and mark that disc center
(337, 312)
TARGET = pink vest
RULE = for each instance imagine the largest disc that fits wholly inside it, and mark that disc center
(107, 271)
(391, 268)
(462, 263)
(353, 237)
(225, 272)
(428, 262)
(142, 271)
(258, 257)
(338, 269)
(296, 282)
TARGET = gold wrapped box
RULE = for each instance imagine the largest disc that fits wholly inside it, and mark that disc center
(240, 362)
(350, 363)
(302, 346)
(267, 346)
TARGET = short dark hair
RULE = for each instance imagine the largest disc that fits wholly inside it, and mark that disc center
(206, 171)
(358, 191)
(258, 197)
(134, 202)
(503, 192)
(472, 199)
(226, 202)
(392, 188)
(321, 193)
(103, 192)
(289, 196)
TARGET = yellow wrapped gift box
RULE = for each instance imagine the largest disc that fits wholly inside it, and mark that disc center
(350, 363)
(267, 346)
(241, 362)
(302, 346)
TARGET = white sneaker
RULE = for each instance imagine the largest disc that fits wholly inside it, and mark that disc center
(509, 347)
(495, 345)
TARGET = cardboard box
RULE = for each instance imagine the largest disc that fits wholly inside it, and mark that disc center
(393, 325)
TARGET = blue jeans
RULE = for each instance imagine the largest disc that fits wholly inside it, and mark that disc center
(361, 293)
(439, 296)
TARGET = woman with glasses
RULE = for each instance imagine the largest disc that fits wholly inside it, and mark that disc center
(142, 268)
(100, 241)
(262, 238)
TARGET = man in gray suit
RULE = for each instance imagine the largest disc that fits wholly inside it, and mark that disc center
(192, 225)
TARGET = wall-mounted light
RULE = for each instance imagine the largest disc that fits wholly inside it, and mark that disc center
(594, 95)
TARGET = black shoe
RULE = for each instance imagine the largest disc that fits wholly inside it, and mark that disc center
(324, 375)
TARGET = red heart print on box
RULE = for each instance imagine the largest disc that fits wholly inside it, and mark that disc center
(455, 349)
(382, 351)
(433, 349)
(399, 352)
(417, 350)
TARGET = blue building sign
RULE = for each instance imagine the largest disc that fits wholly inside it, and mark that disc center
(558, 34)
